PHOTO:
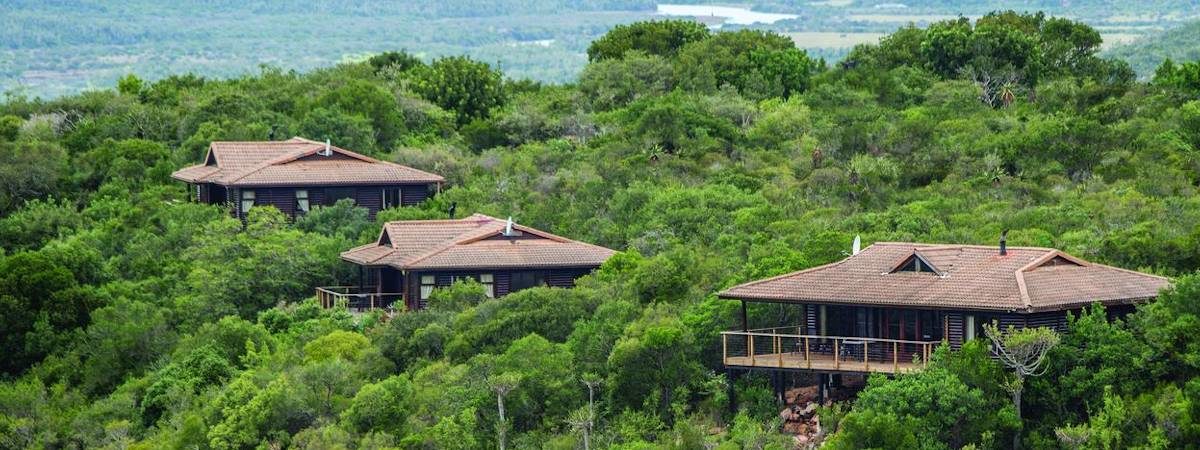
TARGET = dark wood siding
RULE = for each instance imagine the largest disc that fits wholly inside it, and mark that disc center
(956, 333)
(564, 278)
(1016, 321)
(1056, 320)
(413, 194)
(370, 197)
(503, 283)
(284, 198)
(501, 279)
(811, 312)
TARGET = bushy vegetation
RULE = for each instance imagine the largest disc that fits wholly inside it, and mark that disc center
(132, 318)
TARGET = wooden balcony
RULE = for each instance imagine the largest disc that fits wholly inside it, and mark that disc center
(358, 299)
(786, 348)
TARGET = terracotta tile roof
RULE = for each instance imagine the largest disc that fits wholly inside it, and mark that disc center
(295, 162)
(967, 277)
(470, 243)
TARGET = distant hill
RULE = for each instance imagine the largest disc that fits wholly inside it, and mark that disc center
(1145, 54)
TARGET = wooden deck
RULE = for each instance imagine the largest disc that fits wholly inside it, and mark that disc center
(821, 363)
(355, 299)
(776, 349)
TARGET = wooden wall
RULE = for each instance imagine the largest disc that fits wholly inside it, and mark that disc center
(284, 198)
(502, 280)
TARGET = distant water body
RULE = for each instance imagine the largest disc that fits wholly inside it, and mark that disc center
(737, 16)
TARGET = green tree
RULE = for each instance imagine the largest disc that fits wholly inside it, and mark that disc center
(10, 127)
(655, 356)
(611, 83)
(29, 170)
(1024, 352)
(469, 88)
(359, 99)
(660, 37)
(758, 64)
(382, 406)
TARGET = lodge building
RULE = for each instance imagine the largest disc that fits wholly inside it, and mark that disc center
(886, 308)
(412, 258)
(298, 174)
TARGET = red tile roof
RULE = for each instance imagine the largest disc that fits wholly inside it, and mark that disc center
(295, 162)
(968, 277)
(471, 243)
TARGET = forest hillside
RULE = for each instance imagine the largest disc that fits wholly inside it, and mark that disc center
(134, 318)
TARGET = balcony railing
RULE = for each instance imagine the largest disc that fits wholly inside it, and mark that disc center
(787, 348)
(358, 299)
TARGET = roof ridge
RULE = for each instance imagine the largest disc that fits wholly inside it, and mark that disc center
(437, 221)
(367, 158)
(929, 246)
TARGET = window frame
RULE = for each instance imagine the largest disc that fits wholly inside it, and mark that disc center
(247, 195)
(395, 192)
(333, 194)
(426, 283)
(488, 280)
(303, 204)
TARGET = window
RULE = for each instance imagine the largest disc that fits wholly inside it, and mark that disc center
(526, 280)
(301, 200)
(332, 195)
(247, 200)
(970, 328)
(428, 282)
(489, 284)
(391, 198)
(916, 265)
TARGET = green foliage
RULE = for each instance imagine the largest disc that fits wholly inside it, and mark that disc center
(611, 83)
(345, 345)
(28, 170)
(401, 61)
(10, 127)
(872, 429)
(1185, 76)
(493, 325)
(758, 64)
(653, 358)
(470, 89)
(130, 85)
(937, 406)
(382, 406)
(661, 38)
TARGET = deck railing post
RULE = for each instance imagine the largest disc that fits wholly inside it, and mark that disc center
(837, 364)
(807, 360)
(895, 357)
(779, 349)
(750, 347)
(724, 349)
(866, 365)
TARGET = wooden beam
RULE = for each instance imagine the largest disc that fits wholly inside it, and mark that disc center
(837, 361)
(807, 359)
(725, 349)
(745, 322)
(750, 347)
(779, 349)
